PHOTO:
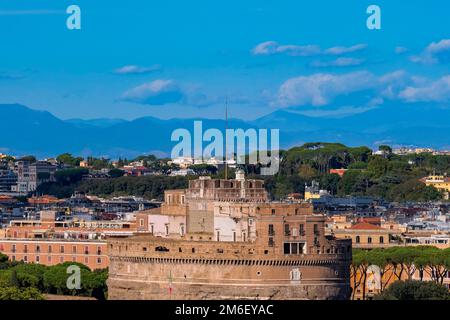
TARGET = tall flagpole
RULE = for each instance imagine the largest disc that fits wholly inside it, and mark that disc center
(226, 142)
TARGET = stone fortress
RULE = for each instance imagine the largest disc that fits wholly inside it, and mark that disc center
(223, 239)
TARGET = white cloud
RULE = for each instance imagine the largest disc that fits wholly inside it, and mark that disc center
(273, 47)
(436, 52)
(157, 92)
(293, 50)
(400, 50)
(344, 50)
(134, 69)
(321, 88)
(339, 62)
(161, 92)
(265, 48)
(434, 91)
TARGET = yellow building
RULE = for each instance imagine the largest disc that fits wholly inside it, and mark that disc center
(366, 235)
(441, 183)
(313, 191)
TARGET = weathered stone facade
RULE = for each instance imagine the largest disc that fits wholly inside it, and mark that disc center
(237, 245)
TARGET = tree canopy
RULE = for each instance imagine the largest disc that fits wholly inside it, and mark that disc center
(415, 290)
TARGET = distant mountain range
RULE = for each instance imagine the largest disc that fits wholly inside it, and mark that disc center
(27, 131)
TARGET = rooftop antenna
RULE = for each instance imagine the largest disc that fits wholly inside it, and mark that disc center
(226, 142)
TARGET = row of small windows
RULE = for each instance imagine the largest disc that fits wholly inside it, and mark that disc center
(166, 229)
(369, 239)
(294, 231)
(296, 211)
(294, 248)
(50, 249)
(37, 259)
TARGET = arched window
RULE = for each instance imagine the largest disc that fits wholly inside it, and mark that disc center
(358, 240)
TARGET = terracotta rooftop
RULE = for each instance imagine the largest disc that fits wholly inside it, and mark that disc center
(365, 226)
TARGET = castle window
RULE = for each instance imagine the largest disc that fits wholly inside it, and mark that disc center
(302, 229)
(271, 230)
(301, 248)
(296, 211)
(167, 229)
(294, 248)
(369, 240)
(234, 236)
(266, 251)
(180, 250)
(161, 249)
(141, 222)
(193, 250)
(316, 229)
(273, 211)
(358, 239)
(381, 239)
(218, 235)
(287, 231)
(271, 242)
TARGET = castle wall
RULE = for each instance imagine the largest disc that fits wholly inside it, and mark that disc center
(213, 270)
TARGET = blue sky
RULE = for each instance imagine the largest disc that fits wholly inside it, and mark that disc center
(182, 58)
